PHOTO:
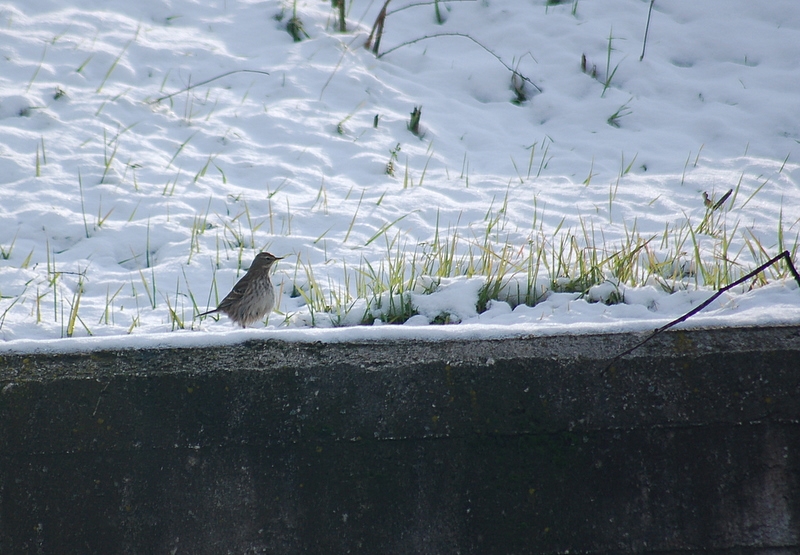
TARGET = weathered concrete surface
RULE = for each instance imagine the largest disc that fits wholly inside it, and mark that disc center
(691, 445)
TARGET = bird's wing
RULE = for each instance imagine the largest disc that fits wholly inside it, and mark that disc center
(236, 293)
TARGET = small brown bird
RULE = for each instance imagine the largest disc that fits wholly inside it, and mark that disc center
(253, 296)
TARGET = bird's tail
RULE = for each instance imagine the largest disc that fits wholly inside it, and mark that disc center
(207, 313)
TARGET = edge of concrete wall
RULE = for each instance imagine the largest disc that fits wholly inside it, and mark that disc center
(691, 444)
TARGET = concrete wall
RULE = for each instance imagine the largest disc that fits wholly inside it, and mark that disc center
(691, 445)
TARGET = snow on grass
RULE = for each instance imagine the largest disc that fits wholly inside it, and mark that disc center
(146, 157)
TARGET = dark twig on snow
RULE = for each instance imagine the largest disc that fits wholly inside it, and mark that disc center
(784, 255)
(201, 83)
(646, 29)
(463, 35)
(377, 30)
(417, 4)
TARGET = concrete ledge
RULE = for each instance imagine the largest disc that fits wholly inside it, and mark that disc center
(691, 445)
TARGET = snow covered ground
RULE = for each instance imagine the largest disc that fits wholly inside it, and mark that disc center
(124, 207)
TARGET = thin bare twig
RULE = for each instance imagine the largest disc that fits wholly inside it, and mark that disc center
(417, 4)
(785, 255)
(463, 35)
(336, 68)
(377, 30)
(646, 29)
(100, 397)
(201, 83)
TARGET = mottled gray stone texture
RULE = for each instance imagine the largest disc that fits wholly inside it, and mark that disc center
(521, 446)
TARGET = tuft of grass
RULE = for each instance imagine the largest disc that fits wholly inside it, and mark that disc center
(114, 63)
(495, 266)
(169, 186)
(180, 149)
(151, 292)
(295, 25)
(75, 306)
(202, 172)
(101, 219)
(589, 177)
(27, 261)
(177, 321)
(108, 312)
(387, 286)
(85, 63)
(107, 159)
(83, 206)
(622, 111)
(754, 193)
(685, 166)
(609, 72)
(353, 220)
(322, 197)
(385, 227)
(38, 68)
(311, 292)
(5, 252)
(697, 158)
(10, 306)
(393, 155)
(783, 165)
(623, 169)
(545, 160)
(52, 278)
(427, 162)
(199, 226)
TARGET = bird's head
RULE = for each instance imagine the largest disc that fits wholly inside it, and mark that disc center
(265, 260)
